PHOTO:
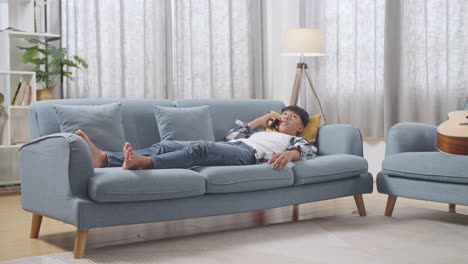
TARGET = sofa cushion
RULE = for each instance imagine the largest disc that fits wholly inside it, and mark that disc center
(328, 168)
(228, 179)
(102, 123)
(117, 185)
(432, 166)
(184, 124)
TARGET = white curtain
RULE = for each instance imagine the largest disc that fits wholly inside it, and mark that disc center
(123, 43)
(426, 59)
(349, 79)
(165, 49)
(217, 49)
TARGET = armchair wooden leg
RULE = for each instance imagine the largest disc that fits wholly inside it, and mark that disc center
(390, 205)
(35, 225)
(260, 217)
(360, 204)
(80, 243)
(295, 212)
(452, 208)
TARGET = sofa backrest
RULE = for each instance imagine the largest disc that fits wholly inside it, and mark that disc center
(138, 117)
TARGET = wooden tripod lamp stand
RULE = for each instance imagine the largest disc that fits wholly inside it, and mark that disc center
(303, 42)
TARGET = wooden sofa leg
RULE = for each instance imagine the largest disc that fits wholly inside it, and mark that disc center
(35, 225)
(360, 204)
(452, 208)
(390, 205)
(80, 243)
(295, 212)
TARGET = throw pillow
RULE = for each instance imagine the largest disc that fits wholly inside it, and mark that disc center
(184, 124)
(310, 131)
(102, 123)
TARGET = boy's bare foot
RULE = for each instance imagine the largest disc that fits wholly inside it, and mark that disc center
(133, 161)
(99, 156)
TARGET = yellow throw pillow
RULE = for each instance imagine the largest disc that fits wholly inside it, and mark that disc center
(310, 131)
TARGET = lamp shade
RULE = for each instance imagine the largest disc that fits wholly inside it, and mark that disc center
(302, 42)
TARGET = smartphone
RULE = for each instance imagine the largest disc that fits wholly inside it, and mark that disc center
(274, 123)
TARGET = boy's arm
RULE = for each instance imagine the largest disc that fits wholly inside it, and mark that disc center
(279, 161)
(263, 120)
(299, 149)
(245, 130)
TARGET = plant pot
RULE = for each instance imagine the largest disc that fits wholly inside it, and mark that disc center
(45, 94)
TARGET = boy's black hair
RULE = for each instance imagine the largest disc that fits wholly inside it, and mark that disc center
(299, 111)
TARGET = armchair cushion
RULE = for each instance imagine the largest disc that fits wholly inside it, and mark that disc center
(431, 166)
(411, 137)
(117, 185)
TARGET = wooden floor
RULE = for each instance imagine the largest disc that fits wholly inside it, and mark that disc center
(58, 237)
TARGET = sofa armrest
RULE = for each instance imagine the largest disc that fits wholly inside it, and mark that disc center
(339, 139)
(55, 166)
(411, 137)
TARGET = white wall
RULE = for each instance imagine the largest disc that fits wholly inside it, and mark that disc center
(374, 152)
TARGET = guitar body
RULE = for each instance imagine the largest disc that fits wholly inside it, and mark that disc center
(452, 135)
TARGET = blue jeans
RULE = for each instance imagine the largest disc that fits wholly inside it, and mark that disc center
(169, 154)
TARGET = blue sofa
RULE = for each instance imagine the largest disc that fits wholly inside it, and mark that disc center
(414, 168)
(58, 179)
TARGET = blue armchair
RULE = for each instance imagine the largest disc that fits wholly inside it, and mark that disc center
(414, 168)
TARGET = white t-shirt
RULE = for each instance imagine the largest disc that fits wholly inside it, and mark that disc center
(268, 143)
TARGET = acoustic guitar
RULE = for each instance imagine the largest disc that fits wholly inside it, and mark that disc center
(452, 135)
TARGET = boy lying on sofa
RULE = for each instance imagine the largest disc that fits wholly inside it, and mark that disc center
(245, 146)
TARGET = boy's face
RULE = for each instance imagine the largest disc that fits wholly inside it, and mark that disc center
(290, 123)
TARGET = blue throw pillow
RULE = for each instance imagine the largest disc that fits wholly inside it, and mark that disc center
(102, 123)
(184, 124)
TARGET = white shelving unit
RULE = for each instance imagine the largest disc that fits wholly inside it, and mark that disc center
(18, 14)
(15, 130)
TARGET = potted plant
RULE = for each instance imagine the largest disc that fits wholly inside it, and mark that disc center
(49, 63)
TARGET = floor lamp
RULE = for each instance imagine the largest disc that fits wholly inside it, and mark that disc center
(303, 42)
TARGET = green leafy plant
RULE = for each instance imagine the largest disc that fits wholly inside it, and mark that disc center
(49, 62)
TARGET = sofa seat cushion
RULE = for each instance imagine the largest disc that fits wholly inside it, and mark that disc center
(117, 185)
(431, 166)
(328, 168)
(229, 179)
